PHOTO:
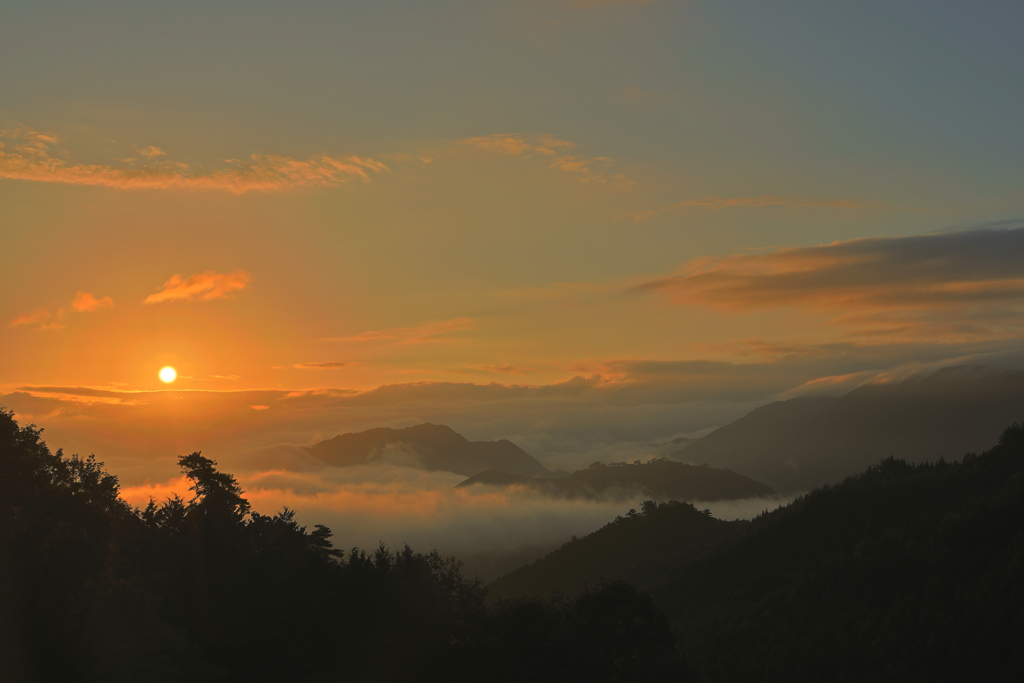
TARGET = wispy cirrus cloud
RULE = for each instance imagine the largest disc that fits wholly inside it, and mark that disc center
(39, 316)
(201, 287)
(591, 170)
(212, 378)
(32, 158)
(715, 203)
(967, 284)
(505, 369)
(594, 4)
(326, 365)
(84, 302)
(151, 151)
(429, 332)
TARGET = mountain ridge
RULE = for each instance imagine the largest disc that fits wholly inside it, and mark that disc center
(900, 572)
(433, 447)
(661, 479)
(804, 442)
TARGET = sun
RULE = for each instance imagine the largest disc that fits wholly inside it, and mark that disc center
(168, 374)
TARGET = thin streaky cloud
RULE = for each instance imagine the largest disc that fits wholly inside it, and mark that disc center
(212, 378)
(326, 365)
(597, 4)
(36, 317)
(505, 369)
(519, 145)
(32, 160)
(434, 331)
(715, 203)
(590, 170)
(84, 302)
(201, 287)
(151, 151)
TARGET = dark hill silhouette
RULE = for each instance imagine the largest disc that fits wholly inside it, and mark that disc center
(208, 590)
(642, 546)
(805, 442)
(902, 572)
(658, 479)
(433, 447)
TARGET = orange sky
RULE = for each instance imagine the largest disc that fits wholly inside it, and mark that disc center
(586, 227)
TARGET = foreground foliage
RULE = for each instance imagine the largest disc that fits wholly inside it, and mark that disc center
(902, 573)
(207, 590)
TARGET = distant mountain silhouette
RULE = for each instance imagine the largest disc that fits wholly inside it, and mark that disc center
(805, 442)
(659, 479)
(431, 447)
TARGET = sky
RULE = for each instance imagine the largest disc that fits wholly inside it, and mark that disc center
(587, 226)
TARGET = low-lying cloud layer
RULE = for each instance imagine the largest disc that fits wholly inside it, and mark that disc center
(390, 503)
(367, 505)
(622, 412)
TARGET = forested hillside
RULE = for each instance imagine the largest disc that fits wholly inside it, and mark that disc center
(905, 572)
(641, 546)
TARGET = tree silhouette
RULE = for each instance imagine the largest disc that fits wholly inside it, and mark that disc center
(905, 572)
(216, 492)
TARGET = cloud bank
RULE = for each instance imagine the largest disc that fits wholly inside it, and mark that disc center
(622, 412)
(956, 285)
(396, 505)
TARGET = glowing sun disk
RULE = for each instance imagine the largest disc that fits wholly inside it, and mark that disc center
(168, 374)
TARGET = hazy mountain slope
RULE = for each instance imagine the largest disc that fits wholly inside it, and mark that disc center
(641, 546)
(805, 442)
(658, 479)
(902, 573)
(430, 446)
